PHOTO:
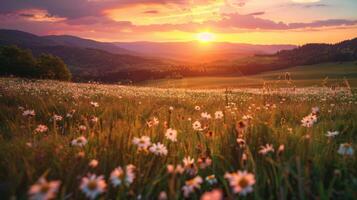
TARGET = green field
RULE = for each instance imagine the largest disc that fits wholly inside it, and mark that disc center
(244, 144)
(301, 76)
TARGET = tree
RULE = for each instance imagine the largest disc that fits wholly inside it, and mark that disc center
(18, 62)
(53, 67)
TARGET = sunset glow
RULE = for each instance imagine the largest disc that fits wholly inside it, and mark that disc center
(206, 37)
(237, 21)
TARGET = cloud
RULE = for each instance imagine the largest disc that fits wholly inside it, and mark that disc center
(256, 13)
(151, 12)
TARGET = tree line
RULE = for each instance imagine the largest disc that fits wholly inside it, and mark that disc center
(15, 61)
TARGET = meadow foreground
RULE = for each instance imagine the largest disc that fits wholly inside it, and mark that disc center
(89, 141)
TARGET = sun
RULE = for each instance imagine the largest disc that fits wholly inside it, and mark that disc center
(205, 37)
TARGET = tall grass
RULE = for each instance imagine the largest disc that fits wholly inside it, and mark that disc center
(308, 168)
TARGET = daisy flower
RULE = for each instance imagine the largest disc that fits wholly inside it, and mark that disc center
(171, 134)
(116, 176)
(206, 115)
(80, 141)
(129, 174)
(41, 128)
(94, 104)
(29, 113)
(241, 182)
(92, 186)
(82, 128)
(212, 195)
(191, 185)
(158, 149)
(331, 134)
(266, 149)
(218, 114)
(345, 149)
(143, 142)
(57, 117)
(43, 190)
(211, 179)
(197, 126)
(93, 163)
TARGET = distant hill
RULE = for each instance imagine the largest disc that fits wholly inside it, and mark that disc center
(87, 59)
(138, 61)
(8, 37)
(195, 52)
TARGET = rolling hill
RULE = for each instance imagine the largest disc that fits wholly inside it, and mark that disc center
(196, 52)
(140, 61)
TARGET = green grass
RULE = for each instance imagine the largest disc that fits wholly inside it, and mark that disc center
(302, 76)
(308, 168)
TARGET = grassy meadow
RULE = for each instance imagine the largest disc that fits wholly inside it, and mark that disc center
(300, 76)
(87, 141)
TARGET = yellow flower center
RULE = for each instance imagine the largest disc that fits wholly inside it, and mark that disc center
(92, 185)
(243, 182)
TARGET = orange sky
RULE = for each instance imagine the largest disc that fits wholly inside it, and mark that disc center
(241, 21)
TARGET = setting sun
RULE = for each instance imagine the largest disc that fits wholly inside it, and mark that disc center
(206, 37)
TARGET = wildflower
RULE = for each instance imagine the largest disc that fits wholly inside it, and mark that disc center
(158, 149)
(309, 120)
(41, 128)
(94, 119)
(70, 114)
(206, 115)
(43, 189)
(130, 174)
(162, 196)
(188, 161)
(218, 114)
(197, 108)
(247, 117)
(212, 195)
(197, 126)
(332, 133)
(189, 165)
(170, 169)
(191, 185)
(29, 144)
(155, 121)
(204, 162)
(80, 141)
(94, 104)
(93, 163)
(57, 117)
(82, 128)
(266, 149)
(241, 142)
(29, 113)
(345, 149)
(179, 169)
(315, 110)
(211, 179)
(81, 154)
(116, 176)
(171, 134)
(281, 148)
(241, 126)
(143, 142)
(93, 185)
(241, 182)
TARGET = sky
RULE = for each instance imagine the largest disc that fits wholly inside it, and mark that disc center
(237, 21)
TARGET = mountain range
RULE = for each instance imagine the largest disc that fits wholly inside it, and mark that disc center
(136, 61)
